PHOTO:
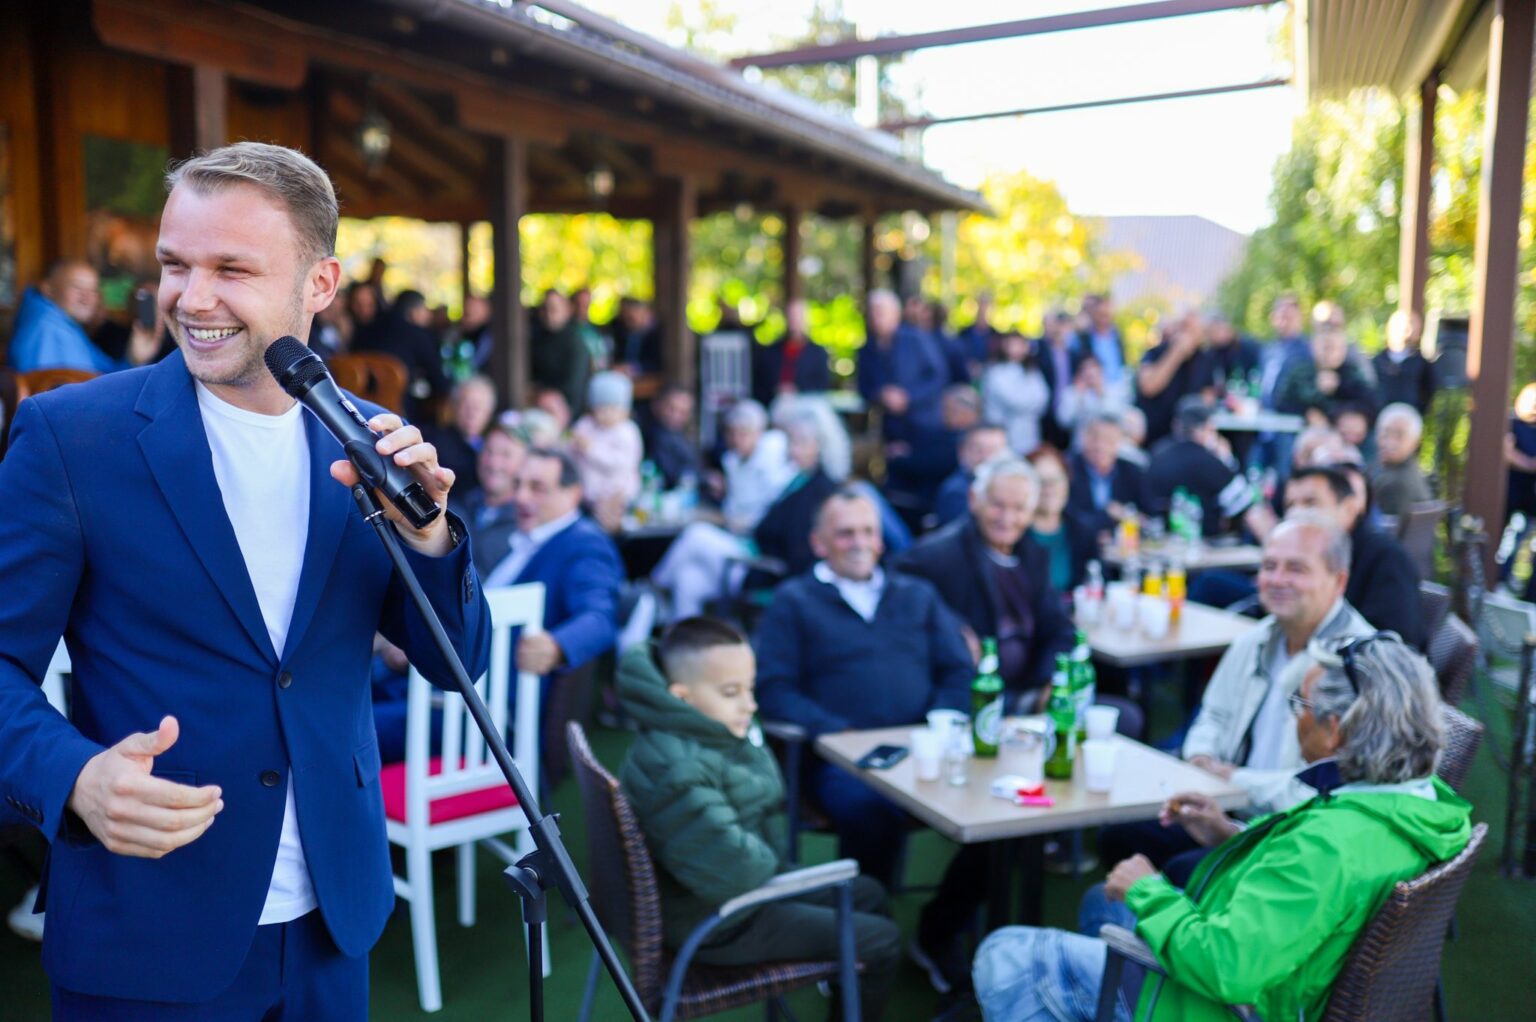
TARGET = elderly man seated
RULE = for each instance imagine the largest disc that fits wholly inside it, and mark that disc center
(848, 645)
(1269, 917)
(1243, 730)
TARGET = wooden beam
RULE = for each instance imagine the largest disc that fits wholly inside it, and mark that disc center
(794, 285)
(249, 48)
(1490, 349)
(677, 200)
(1418, 174)
(510, 354)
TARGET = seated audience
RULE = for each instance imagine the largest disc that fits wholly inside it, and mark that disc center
(1068, 543)
(471, 407)
(1281, 902)
(793, 364)
(1085, 400)
(1403, 374)
(50, 325)
(1015, 395)
(556, 410)
(1383, 582)
(1317, 386)
(979, 445)
(637, 346)
(996, 579)
(490, 512)
(710, 798)
(819, 449)
(404, 332)
(916, 468)
(1103, 486)
(1243, 731)
(1399, 483)
(1133, 437)
(607, 447)
(669, 443)
(1175, 368)
(579, 565)
(1193, 458)
(850, 645)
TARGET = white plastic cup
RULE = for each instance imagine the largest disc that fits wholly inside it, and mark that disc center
(1122, 606)
(1024, 751)
(945, 721)
(927, 753)
(1100, 721)
(1156, 613)
(1099, 764)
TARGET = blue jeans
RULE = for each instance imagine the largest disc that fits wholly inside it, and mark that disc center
(1028, 974)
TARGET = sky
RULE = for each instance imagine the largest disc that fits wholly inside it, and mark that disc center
(1210, 156)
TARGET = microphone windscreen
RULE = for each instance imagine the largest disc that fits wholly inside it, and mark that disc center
(293, 365)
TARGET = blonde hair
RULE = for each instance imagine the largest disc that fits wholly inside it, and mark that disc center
(287, 175)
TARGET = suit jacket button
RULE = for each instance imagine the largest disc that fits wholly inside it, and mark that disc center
(284, 680)
(269, 778)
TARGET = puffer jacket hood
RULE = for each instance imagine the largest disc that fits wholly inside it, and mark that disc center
(642, 692)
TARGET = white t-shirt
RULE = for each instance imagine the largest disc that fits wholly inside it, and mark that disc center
(261, 463)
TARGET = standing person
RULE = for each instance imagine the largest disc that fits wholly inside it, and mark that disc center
(1058, 360)
(793, 364)
(979, 339)
(1101, 338)
(560, 359)
(1403, 374)
(1319, 387)
(405, 332)
(1015, 395)
(902, 370)
(189, 529)
(1234, 359)
(1520, 455)
(1172, 370)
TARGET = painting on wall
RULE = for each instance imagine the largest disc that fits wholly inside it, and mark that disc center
(8, 290)
(124, 192)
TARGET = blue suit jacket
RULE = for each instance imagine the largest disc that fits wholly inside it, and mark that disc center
(914, 362)
(582, 574)
(116, 537)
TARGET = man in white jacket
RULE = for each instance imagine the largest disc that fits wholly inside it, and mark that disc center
(1245, 731)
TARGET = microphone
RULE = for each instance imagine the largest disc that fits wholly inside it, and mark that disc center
(302, 374)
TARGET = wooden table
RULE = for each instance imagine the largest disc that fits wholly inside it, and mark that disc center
(1200, 631)
(1263, 422)
(1207, 556)
(1144, 779)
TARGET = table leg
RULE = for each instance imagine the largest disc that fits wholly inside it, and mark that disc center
(1000, 858)
(1031, 880)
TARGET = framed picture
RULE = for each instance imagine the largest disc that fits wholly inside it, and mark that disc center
(124, 192)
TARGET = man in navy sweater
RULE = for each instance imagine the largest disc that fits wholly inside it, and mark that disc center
(849, 646)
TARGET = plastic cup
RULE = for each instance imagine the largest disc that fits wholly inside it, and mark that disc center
(1099, 764)
(1156, 614)
(1122, 606)
(1025, 749)
(1100, 721)
(944, 721)
(927, 753)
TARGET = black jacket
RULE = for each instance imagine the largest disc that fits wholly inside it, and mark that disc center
(1384, 585)
(812, 374)
(1222, 490)
(954, 559)
(1127, 487)
(785, 530)
(1411, 381)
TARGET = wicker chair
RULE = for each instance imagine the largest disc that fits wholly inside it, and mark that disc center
(374, 376)
(627, 901)
(1453, 650)
(1417, 530)
(1393, 969)
(1463, 736)
(1434, 604)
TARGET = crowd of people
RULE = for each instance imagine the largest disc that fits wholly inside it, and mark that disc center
(860, 587)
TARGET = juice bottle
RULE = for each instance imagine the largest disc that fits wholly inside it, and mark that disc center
(1177, 588)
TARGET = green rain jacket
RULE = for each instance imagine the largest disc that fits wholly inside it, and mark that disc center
(1271, 913)
(711, 804)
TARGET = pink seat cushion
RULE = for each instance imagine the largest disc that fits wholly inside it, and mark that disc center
(453, 807)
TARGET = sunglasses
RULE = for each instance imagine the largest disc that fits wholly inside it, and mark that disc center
(1346, 652)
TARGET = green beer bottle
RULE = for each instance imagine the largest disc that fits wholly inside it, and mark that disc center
(1063, 713)
(1084, 681)
(987, 702)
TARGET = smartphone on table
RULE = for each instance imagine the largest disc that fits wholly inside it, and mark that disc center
(883, 757)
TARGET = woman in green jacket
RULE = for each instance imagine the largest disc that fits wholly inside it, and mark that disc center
(1269, 916)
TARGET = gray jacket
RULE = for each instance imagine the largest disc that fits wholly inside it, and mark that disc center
(1236, 691)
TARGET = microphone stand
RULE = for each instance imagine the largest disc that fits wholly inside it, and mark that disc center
(549, 864)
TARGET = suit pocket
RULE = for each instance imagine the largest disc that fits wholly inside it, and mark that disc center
(367, 763)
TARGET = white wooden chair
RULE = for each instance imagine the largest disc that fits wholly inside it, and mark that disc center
(459, 798)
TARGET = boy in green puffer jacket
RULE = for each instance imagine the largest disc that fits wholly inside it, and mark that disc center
(710, 799)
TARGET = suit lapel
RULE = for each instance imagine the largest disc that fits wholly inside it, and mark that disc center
(329, 505)
(176, 448)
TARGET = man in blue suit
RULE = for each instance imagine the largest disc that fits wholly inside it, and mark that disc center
(213, 804)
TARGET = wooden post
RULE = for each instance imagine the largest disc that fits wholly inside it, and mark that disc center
(867, 256)
(464, 288)
(210, 107)
(676, 207)
(794, 286)
(1490, 349)
(1418, 174)
(510, 355)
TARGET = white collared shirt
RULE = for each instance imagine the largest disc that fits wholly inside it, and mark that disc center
(862, 596)
(522, 547)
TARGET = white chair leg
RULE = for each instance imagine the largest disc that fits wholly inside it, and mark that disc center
(418, 871)
(467, 884)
